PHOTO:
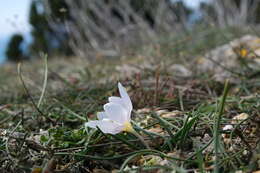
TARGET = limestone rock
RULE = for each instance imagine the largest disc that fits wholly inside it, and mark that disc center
(225, 61)
(179, 70)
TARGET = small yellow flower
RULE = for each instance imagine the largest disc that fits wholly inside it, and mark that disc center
(243, 52)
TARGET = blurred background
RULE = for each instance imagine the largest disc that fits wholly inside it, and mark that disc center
(173, 56)
(109, 28)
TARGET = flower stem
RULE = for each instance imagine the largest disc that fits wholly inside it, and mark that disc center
(140, 138)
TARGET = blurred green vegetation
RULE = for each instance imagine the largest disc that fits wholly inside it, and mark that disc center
(14, 50)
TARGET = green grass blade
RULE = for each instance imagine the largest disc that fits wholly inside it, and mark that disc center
(45, 81)
(217, 123)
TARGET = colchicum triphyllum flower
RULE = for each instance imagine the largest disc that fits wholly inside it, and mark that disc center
(117, 115)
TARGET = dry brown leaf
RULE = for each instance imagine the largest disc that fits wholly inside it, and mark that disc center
(172, 114)
(239, 118)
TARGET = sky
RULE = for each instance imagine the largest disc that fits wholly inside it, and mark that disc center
(194, 3)
(14, 16)
(13, 19)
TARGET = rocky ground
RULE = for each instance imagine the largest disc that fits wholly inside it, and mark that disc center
(191, 121)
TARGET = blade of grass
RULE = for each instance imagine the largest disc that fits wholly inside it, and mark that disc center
(125, 141)
(200, 161)
(45, 80)
(201, 149)
(144, 152)
(72, 112)
(120, 138)
(216, 132)
(186, 128)
(144, 131)
(150, 168)
(181, 100)
(29, 95)
(166, 125)
(141, 152)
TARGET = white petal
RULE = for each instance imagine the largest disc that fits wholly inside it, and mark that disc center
(126, 99)
(120, 101)
(101, 115)
(116, 112)
(106, 126)
(116, 100)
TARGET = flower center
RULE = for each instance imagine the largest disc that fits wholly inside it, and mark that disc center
(128, 127)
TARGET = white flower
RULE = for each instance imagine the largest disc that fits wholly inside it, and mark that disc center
(117, 114)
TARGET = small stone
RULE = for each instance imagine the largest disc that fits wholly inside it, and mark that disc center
(245, 152)
(227, 127)
(180, 70)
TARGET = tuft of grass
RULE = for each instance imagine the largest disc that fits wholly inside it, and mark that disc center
(216, 133)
